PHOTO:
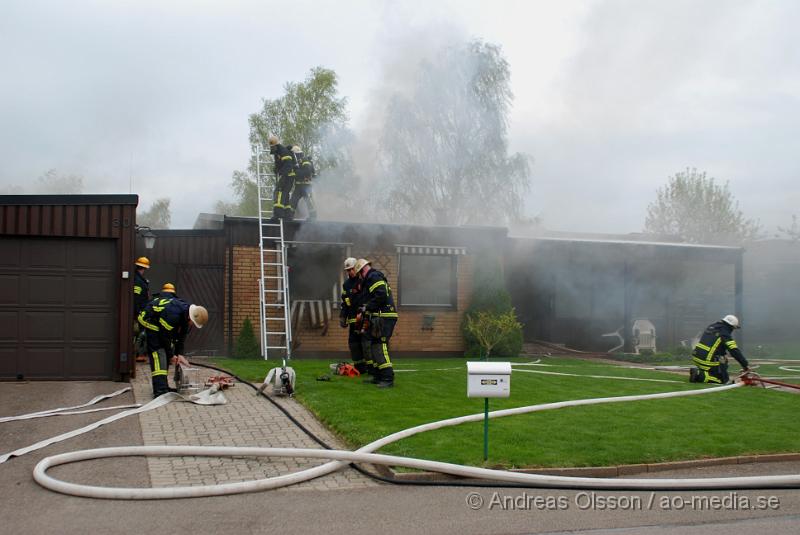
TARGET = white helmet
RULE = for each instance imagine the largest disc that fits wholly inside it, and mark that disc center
(296, 149)
(198, 315)
(349, 263)
(731, 320)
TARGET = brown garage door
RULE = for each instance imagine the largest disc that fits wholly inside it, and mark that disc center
(57, 308)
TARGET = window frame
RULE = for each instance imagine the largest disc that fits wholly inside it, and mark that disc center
(453, 291)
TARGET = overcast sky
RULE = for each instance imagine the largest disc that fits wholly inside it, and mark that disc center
(611, 97)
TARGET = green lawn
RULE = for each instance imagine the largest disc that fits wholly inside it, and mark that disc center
(744, 421)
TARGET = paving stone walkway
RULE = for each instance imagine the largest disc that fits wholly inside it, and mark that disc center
(246, 420)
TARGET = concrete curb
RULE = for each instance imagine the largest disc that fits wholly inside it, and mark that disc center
(616, 471)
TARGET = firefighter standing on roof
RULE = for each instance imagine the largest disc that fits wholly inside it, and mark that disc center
(378, 306)
(284, 179)
(302, 183)
(141, 296)
(709, 353)
(167, 320)
(352, 297)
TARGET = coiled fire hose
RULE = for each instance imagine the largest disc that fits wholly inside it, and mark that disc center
(339, 458)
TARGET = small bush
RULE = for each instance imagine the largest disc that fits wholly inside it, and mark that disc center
(490, 295)
(247, 346)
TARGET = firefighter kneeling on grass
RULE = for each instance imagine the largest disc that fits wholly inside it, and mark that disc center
(167, 320)
(378, 307)
(709, 353)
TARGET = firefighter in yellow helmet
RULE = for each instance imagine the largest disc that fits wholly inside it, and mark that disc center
(141, 296)
(168, 320)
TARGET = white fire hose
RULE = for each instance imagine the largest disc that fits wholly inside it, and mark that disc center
(365, 455)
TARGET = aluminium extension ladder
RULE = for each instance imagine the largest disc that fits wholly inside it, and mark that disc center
(276, 327)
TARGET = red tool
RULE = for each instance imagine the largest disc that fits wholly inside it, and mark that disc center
(753, 379)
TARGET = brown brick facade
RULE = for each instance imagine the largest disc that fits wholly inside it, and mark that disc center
(408, 335)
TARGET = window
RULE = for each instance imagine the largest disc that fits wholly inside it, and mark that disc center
(428, 280)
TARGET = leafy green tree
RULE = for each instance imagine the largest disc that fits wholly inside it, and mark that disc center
(444, 145)
(157, 216)
(309, 114)
(695, 209)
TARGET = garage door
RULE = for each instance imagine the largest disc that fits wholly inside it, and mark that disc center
(58, 308)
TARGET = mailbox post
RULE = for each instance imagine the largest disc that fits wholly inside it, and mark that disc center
(488, 380)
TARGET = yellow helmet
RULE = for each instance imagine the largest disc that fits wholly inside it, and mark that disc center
(272, 139)
(168, 287)
(142, 261)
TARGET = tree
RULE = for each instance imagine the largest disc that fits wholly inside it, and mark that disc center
(489, 307)
(157, 216)
(53, 183)
(792, 232)
(247, 345)
(309, 114)
(444, 146)
(490, 329)
(695, 209)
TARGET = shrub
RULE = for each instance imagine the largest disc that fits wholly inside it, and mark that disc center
(489, 295)
(247, 346)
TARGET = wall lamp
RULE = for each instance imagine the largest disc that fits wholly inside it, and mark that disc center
(147, 234)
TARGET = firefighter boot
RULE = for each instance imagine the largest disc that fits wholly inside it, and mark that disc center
(160, 386)
(385, 378)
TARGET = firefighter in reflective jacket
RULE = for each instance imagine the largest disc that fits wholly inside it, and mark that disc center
(352, 297)
(284, 179)
(141, 296)
(378, 305)
(302, 183)
(167, 320)
(709, 353)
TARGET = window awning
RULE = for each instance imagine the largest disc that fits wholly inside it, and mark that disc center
(431, 250)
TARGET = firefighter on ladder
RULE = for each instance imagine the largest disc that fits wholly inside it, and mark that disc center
(709, 352)
(358, 343)
(141, 296)
(167, 320)
(302, 183)
(284, 179)
(378, 307)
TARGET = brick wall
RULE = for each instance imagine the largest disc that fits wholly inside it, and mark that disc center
(408, 335)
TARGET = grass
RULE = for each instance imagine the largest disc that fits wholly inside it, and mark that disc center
(743, 421)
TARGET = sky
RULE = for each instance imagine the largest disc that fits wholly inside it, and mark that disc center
(612, 97)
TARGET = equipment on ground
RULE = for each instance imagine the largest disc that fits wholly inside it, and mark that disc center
(282, 381)
(187, 380)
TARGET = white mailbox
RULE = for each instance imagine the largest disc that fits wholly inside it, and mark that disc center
(488, 379)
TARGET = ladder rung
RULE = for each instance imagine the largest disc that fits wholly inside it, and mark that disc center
(275, 332)
(276, 347)
(273, 276)
(274, 305)
(273, 263)
(274, 291)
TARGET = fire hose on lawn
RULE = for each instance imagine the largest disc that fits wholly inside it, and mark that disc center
(340, 458)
